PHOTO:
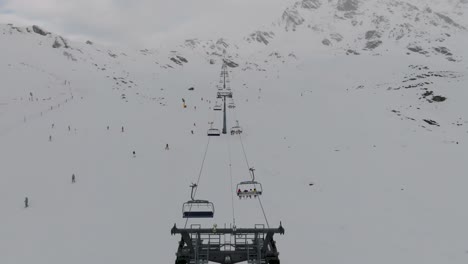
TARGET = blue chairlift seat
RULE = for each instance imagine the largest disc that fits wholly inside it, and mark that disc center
(198, 209)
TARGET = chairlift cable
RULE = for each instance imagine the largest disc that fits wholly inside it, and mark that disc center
(199, 176)
(232, 187)
(245, 154)
(201, 167)
(248, 166)
(263, 210)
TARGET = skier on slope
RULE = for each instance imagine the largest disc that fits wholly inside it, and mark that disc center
(73, 178)
(167, 147)
(26, 202)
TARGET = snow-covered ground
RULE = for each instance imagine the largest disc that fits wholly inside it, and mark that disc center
(388, 187)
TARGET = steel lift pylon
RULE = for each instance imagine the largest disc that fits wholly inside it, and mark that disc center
(227, 245)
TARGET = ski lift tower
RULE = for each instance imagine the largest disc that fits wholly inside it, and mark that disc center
(227, 245)
(224, 93)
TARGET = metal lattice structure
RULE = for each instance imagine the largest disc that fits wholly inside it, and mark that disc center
(227, 245)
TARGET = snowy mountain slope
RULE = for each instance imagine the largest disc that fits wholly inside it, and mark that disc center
(388, 186)
(357, 26)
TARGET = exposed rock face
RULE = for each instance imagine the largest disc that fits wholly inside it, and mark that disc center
(417, 49)
(372, 34)
(431, 122)
(56, 44)
(65, 42)
(230, 63)
(352, 52)
(449, 21)
(261, 36)
(292, 18)
(370, 45)
(176, 61)
(347, 5)
(337, 37)
(69, 56)
(326, 42)
(439, 98)
(192, 43)
(443, 50)
(89, 42)
(39, 30)
(179, 60)
(59, 42)
(311, 4)
(222, 42)
(182, 59)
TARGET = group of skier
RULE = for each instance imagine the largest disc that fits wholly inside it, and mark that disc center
(26, 199)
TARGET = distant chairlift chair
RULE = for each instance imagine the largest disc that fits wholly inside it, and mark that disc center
(217, 107)
(236, 129)
(213, 131)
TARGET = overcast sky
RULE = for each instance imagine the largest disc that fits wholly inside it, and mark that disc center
(143, 23)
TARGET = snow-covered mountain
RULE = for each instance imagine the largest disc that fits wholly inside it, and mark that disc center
(362, 158)
(356, 26)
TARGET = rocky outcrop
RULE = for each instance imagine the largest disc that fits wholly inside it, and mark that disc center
(347, 5)
(222, 42)
(182, 59)
(326, 42)
(179, 60)
(336, 37)
(261, 36)
(292, 18)
(431, 122)
(449, 21)
(69, 56)
(443, 50)
(352, 52)
(370, 45)
(39, 30)
(417, 49)
(59, 42)
(230, 63)
(372, 34)
(192, 43)
(56, 44)
(311, 4)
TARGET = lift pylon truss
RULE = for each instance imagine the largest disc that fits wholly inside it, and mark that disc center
(227, 245)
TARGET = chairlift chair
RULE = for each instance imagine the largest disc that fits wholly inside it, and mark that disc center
(197, 208)
(249, 188)
(213, 131)
(231, 105)
(236, 129)
(217, 107)
(221, 94)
